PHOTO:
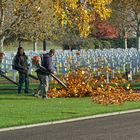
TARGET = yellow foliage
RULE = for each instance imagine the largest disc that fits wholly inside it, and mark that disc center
(81, 14)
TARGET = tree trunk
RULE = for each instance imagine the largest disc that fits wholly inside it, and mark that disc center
(1, 43)
(44, 44)
(125, 40)
(138, 37)
(35, 43)
(138, 42)
(2, 38)
(138, 30)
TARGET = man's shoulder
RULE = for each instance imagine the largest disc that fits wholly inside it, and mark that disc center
(26, 56)
(16, 56)
(46, 55)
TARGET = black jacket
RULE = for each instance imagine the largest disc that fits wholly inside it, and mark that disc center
(21, 62)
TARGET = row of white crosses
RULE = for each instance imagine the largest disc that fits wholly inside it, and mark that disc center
(117, 59)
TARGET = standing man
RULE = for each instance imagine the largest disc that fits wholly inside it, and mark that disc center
(43, 73)
(21, 64)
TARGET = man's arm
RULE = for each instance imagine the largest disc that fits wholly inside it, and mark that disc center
(50, 67)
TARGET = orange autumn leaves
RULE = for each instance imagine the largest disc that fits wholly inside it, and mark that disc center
(85, 82)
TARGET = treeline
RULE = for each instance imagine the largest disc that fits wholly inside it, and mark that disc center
(93, 43)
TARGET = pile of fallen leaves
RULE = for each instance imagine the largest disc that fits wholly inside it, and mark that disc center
(84, 82)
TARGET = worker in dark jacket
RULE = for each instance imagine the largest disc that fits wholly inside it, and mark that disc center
(43, 75)
(21, 63)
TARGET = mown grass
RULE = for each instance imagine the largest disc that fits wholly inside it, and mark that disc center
(24, 109)
(29, 46)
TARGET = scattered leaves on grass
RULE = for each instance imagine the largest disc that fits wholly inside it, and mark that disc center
(84, 82)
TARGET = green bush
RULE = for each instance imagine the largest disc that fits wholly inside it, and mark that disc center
(119, 42)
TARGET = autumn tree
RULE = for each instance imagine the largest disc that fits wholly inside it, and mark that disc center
(24, 18)
(126, 17)
(78, 14)
(43, 23)
(104, 30)
(12, 13)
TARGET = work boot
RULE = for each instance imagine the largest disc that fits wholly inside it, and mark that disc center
(43, 96)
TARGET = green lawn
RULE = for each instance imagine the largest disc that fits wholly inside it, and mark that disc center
(25, 109)
(135, 86)
(29, 46)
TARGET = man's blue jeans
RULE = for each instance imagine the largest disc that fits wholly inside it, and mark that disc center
(23, 78)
